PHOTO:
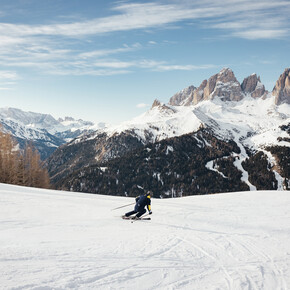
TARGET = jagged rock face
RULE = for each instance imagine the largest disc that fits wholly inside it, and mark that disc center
(223, 85)
(156, 103)
(210, 86)
(226, 87)
(179, 97)
(252, 85)
(282, 88)
(199, 93)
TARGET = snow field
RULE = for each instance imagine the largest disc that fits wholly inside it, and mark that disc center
(63, 240)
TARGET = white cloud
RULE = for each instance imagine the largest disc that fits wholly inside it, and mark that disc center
(106, 52)
(5, 89)
(149, 15)
(79, 71)
(113, 64)
(183, 67)
(8, 75)
(142, 105)
(131, 16)
(262, 33)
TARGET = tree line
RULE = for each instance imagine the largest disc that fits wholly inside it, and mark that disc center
(21, 167)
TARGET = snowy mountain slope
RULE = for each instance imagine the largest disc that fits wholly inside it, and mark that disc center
(255, 122)
(46, 132)
(61, 240)
(42, 121)
(242, 112)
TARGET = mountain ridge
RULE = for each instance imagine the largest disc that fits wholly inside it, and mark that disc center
(43, 130)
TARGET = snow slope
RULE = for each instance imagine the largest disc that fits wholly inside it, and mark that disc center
(251, 122)
(39, 122)
(63, 240)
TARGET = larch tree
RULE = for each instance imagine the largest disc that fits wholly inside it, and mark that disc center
(21, 167)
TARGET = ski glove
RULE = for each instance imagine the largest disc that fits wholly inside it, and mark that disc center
(150, 212)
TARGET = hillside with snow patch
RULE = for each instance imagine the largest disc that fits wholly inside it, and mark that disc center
(60, 240)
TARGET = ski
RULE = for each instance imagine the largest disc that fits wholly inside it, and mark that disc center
(133, 219)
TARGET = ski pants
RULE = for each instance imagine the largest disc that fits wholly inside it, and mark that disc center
(139, 213)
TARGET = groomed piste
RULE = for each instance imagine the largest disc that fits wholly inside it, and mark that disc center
(66, 240)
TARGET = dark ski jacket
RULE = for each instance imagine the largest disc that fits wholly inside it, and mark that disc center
(142, 201)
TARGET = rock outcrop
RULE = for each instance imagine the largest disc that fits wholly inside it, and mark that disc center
(178, 98)
(199, 93)
(252, 85)
(223, 85)
(156, 103)
(226, 87)
(281, 90)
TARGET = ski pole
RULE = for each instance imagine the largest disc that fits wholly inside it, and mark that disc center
(123, 206)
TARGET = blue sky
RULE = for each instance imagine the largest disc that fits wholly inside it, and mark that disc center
(106, 61)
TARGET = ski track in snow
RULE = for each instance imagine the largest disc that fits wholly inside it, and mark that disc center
(63, 240)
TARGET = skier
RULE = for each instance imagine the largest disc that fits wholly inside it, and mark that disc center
(141, 202)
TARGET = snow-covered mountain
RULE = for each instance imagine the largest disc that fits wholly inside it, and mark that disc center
(45, 122)
(245, 114)
(254, 122)
(45, 131)
(250, 115)
(68, 240)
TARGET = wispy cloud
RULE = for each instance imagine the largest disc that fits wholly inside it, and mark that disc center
(8, 75)
(49, 48)
(262, 33)
(106, 52)
(131, 16)
(7, 80)
(168, 67)
(149, 15)
(114, 67)
(256, 24)
(5, 88)
(142, 105)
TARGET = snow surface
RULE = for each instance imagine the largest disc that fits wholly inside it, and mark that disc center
(63, 240)
(162, 122)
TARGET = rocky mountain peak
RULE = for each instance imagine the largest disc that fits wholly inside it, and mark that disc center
(281, 90)
(252, 85)
(28, 118)
(156, 103)
(165, 109)
(180, 97)
(223, 85)
(249, 84)
(227, 74)
(226, 87)
(66, 119)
